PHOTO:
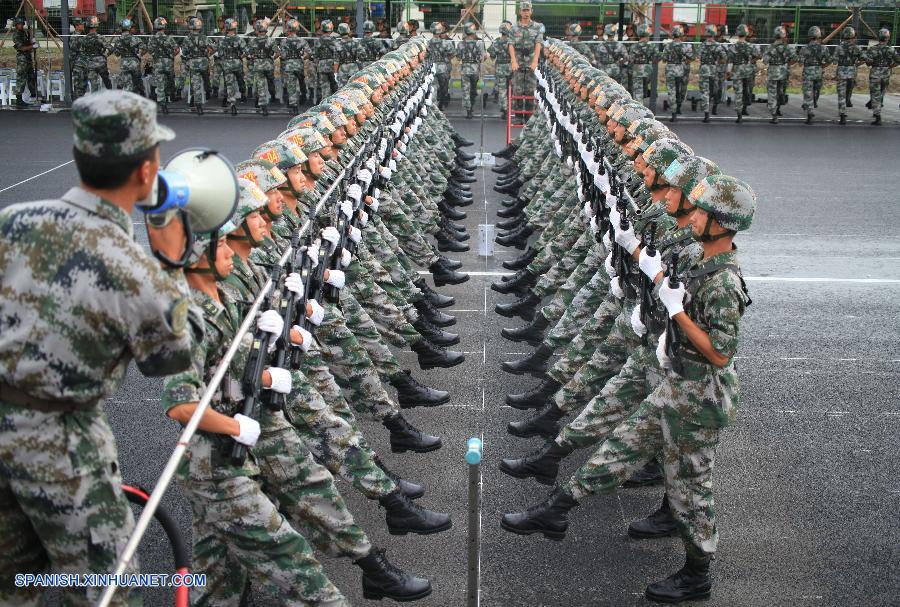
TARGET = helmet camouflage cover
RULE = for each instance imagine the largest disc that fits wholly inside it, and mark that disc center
(251, 199)
(815, 32)
(160, 23)
(261, 172)
(574, 29)
(686, 173)
(709, 30)
(780, 32)
(731, 201)
(742, 30)
(343, 29)
(368, 27)
(282, 153)
(662, 152)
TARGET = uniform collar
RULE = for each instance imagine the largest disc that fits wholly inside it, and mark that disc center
(95, 205)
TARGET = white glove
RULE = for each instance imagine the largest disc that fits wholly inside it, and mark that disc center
(331, 234)
(615, 288)
(664, 361)
(371, 165)
(650, 266)
(313, 253)
(402, 147)
(346, 258)
(281, 380)
(318, 312)
(588, 209)
(294, 284)
(376, 193)
(606, 241)
(307, 338)
(639, 329)
(672, 298)
(611, 201)
(614, 216)
(364, 220)
(392, 165)
(386, 173)
(607, 263)
(601, 181)
(336, 278)
(374, 204)
(249, 430)
(594, 226)
(364, 175)
(270, 321)
(558, 149)
(355, 234)
(626, 238)
(346, 208)
(354, 191)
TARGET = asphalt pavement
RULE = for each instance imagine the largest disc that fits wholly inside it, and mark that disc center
(807, 495)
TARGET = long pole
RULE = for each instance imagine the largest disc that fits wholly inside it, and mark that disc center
(67, 68)
(473, 585)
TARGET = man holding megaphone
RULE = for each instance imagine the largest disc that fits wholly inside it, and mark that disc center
(79, 300)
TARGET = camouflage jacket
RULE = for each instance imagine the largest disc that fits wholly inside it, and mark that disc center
(195, 46)
(325, 48)
(21, 39)
(641, 56)
(471, 54)
(711, 54)
(779, 53)
(127, 46)
(293, 48)
(161, 46)
(610, 52)
(93, 50)
(523, 39)
(231, 48)
(581, 47)
(677, 52)
(441, 51)
(75, 47)
(499, 50)
(261, 48)
(814, 54)
(370, 49)
(80, 299)
(881, 56)
(347, 50)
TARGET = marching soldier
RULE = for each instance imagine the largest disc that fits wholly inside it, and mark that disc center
(471, 53)
(93, 52)
(500, 54)
(573, 37)
(262, 51)
(231, 56)
(325, 56)
(195, 51)
(814, 57)
(293, 52)
(25, 45)
(610, 54)
(347, 54)
(163, 50)
(712, 54)
(641, 58)
(524, 52)
(129, 49)
(371, 47)
(79, 67)
(441, 50)
(743, 57)
(677, 54)
(881, 59)
(779, 56)
(847, 56)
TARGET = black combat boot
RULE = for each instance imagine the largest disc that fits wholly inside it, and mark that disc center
(411, 393)
(462, 179)
(650, 474)
(843, 119)
(522, 261)
(405, 516)
(659, 524)
(511, 188)
(550, 517)
(460, 141)
(445, 276)
(432, 356)
(520, 282)
(405, 437)
(674, 117)
(464, 156)
(544, 424)
(534, 364)
(809, 117)
(877, 121)
(505, 180)
(740, 118)
(705, 116)
(532, 333)
(689, 583)
(469, 114)
(382, 579)
(408, 488)
(434, 334)
(446, 243)
(437, 300)
(510, 224)
(505, 168)
(512, 211)
(518, 239)
(678, 109)
(534, 398)
(507, 152)
(508, 203)
(449, 212)
(522, 231)
(523, 307)
(434, 316)
(774, 119)
(450, 264)
(542, 465)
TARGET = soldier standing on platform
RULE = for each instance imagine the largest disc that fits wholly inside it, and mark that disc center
(24, 45)
(847, 56)
(712, 54)
(263, 50)
(743, 57)
(524, 52)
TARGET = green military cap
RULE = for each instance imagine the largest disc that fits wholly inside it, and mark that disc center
(309, 140)
(686, 173)
(780, 32)
(884, 34)
(112, 124)
(574, 29)
(261, 172)
(677, 31)
(77, 21)
(469, 29)
(368, 27)
(327, 26)
(731, 201)
(662, 152)
(282, 153)
(610, 29)
(815, 32)
(848, 33)
(251, 199)
(506, 28)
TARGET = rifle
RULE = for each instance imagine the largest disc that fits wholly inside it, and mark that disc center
(252, 380)
(302, 264)
(673, 339)
(646, 292)
(288, 309)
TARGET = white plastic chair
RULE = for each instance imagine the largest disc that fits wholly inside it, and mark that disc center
(4, 89)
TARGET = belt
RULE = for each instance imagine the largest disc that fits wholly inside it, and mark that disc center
(16, 397)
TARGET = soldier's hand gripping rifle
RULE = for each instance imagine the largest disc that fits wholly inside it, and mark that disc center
(646, 290)
(252, 379)
(303, 265)
(288, 309)
(673, 333)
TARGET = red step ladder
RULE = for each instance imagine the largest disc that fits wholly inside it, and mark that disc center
(510, 111)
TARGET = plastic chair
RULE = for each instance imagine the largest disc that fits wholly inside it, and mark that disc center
(4, 89)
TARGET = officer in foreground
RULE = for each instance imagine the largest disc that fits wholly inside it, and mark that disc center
(79, 300)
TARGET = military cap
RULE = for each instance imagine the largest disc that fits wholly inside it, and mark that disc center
(685, 173)
(308, 140)
(195, 23)
(77, 21)
(574, 29)
(231, 24)
(327, 26)
(677, 31)
(160, 23)
(113, 123)
(469, 29)
(261, 172)
(780, 32)
(282, 153)
(731, 201)
(662, 152)
(19, 21)
(525, 5)
(609, 29)
(251, 199)
(125, 24)
(506, 28)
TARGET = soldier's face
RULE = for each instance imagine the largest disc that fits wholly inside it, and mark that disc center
(224, 258)
(649, 176)
(674, 199)
(525, 14)
(296, 178)
(620, 133)
(255, 226)
(611, 126)
(351, 128)
(339, 136)
(639, 163)
(377, 96)
(276, 202)
(315, 163)
(698, 219)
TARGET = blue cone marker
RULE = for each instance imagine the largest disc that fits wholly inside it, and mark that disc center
(473, 455)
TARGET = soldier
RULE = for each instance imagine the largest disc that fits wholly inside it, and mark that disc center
(347, 54)
(293, 52)
(524, 51)
(75, 56)
(261, 50)
(814, 57)
(779, 57)
(471, 53)
(881, 59)
(847, 56)
(25, 46)
(63, 354)
(195, 60)
(641, 58)
(721, 69)
(499, 53)
(712, 54)
(677, 54)
(441, 50)
(163, 50)
(129, 49)
(610, 54)
(743, 57)
(325, 56)
(573, 37)
(403, 35)
(370, 46)
(231, 56)
(92, 53)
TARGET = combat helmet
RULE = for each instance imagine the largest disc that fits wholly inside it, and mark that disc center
(125, 24)
(327, 26)
(884, 34)
(202, 245)
(709, 30)
(506, 28)
(643, 31)
(19, 21)
(731, 201)
(609, 29)
(742, 30)
(574, 29)
(632, 112)
(469, 29)
(308, 139)
(76, 21)
(261, 172)
(231, 24)
(686, 173)
(160, 23)
(292, 25)
(251, 199)
(343, 28)
(368, 27)
(261, 27)
(677, 32)
(284, 154)
(93, 22)
(814, 32)
(780, 32)
(662, 152)
(848, 33)
(438, 28)
(653, 132)
(194, 23)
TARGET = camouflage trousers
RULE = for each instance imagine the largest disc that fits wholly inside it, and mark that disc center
(676, 87)
(469, 90)
(231, 73)
(569, 319)
(523, 84)
(162, 72)
(325, 83)
(580, 350)
(774, 90)
(292, 75)
(262, 71)
(372, 334)
(24, 73)
(666, 424)
(638, 86)
(740, 86)
(321, 416)
(845, 83)
(557, 244)
(61, 502)
(401, 225)
(351, 365)
(198, 72)
(240, 535)
(129, 76)
(501, 85)
(79, 86)
(569, 262)
(879, 79)
(709, 91)
(812, 82)
(442, 83)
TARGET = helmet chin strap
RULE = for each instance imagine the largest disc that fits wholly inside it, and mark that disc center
(681, 211)
(706, 236)
(247, 235)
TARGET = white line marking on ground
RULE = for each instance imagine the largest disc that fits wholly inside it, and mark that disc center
(811, 279)
(9, 187)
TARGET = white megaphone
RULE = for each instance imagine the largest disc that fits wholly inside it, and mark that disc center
(202, 186)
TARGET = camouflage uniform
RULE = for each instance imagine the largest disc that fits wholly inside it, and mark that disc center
(814, 57)
(609, 56)
(370, 49)
(778, 57)
(231, 53)
(743, 57)
(261, 50)
(441, 50)
(195, 57)
(24, 62)
(641, 58)
(847, 57)
(129, 49)
(523, 40)
(711, 54)
(325, 52)
(162, 49)
(882, 58)
(470, 52)
(499, 52)
(293, 51)
(79, 66)
(347, 58)
(104, 302)
(676, 54)
(93, 52)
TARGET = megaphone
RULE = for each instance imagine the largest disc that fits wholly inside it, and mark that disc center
(200, 185)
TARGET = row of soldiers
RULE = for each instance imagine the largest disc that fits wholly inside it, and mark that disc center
(635, 283)
(719, 60)
(352, 197)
